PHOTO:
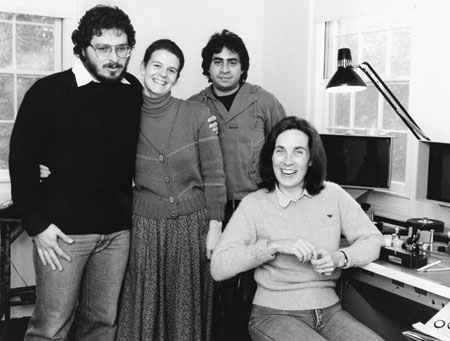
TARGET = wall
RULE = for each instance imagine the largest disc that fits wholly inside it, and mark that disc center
(286, 54)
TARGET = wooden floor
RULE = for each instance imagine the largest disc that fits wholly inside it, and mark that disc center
(15, 329)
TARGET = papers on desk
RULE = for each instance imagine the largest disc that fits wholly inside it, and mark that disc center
(415, 335)
(438, 326)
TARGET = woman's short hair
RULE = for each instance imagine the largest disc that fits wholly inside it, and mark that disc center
(316, 174)
(232, 42)
(100, 18)
(167, 45)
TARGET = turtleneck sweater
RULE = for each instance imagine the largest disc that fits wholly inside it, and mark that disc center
(157, 116)
(179, 167)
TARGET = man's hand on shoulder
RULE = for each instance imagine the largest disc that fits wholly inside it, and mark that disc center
(213, 125)
(48, 247)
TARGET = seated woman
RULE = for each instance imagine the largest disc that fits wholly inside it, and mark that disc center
(290, 231)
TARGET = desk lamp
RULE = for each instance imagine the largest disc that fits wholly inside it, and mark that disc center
(347, 80)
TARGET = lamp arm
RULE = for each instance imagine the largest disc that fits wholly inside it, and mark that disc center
(391, 98)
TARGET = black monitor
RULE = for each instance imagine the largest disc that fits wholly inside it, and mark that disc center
(438, 187)
(358, 161)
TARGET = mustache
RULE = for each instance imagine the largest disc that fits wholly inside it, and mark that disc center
(113, 65)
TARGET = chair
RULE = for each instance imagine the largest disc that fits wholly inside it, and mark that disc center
(10, 229)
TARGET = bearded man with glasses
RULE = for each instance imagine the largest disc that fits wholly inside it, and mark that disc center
(83, 124)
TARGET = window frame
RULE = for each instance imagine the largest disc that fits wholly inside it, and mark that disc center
(324, 101)
(16, 73)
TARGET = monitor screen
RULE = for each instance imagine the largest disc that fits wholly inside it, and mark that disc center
(439, 172)
(358, 161)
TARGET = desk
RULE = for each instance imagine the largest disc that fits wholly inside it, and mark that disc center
(389, 298)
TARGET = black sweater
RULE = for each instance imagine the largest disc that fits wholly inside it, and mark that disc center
(87, 137)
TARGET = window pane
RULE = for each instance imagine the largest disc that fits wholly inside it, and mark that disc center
(6, 45)
(35, 47)
(400, 61)
(5, 133)
(390, 118)
(23, 84)
(6, 16)
(399, 156)
(366, 108)
(6, 97)
(374, 50)
(350, 41)
(342, 110)
(35, 18)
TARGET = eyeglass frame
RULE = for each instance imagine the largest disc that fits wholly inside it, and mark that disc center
(111, 48)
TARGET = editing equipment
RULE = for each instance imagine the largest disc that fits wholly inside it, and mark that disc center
(420, 238)
(426, 224)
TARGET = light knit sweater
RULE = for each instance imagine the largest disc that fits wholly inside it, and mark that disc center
(179, 168)
(284, 282)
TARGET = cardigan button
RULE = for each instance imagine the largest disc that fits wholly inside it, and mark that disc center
(173, 214)
(166, 179)
(161, 158)
(171, 200)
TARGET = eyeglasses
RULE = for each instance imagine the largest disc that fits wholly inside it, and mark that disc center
(104, 51)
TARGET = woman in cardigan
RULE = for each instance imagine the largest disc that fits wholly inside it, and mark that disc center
(290, 232)
(179, 199)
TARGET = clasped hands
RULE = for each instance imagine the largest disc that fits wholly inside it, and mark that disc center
(322, 261)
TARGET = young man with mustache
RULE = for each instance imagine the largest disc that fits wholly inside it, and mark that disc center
(83, 124)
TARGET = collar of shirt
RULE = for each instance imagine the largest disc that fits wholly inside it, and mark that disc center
(284, 201)
(82, 75)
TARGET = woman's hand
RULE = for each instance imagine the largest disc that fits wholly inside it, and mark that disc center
(326, 262)
(212, 239)
(44, 171)
(303, 250)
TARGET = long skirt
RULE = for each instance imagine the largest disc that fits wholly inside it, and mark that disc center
(168, 289)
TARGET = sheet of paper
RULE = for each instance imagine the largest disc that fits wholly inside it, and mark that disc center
(438, 326)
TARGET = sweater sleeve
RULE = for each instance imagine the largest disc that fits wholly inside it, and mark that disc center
(239, 249)
(211, 167)
(273, 110)
(364, 238)
(26, 144)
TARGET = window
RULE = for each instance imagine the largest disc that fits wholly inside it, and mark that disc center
(384, 40)
(30, 48)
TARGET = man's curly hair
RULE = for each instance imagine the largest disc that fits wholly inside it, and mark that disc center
(100, 18)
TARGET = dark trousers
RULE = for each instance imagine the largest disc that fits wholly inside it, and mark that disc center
(233, 299)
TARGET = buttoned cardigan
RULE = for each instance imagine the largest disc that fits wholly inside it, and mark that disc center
(181, 171)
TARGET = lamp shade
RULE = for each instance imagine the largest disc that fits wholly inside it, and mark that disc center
(345, 79)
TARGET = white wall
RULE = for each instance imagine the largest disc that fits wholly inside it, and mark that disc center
(285, 55)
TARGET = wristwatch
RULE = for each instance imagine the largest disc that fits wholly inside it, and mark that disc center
(346, 259)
